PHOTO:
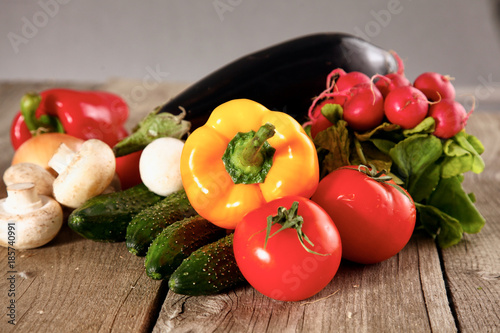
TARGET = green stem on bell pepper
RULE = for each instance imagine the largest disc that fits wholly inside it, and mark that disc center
(42, 124)
(249, 157)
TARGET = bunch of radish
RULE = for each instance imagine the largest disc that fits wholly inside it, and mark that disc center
(368, 102)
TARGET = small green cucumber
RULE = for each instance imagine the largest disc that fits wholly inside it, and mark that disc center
(209, 270)
(176, 242)
(148, 224)
(106, 216)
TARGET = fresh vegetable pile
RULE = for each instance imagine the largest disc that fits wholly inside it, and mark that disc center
(418, 136)
(270, 198)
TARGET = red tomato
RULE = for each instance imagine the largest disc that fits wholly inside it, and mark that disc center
(283, 269)
(127, 168)
(374, 219)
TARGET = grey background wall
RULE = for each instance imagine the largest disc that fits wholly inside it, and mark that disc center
(180, 40)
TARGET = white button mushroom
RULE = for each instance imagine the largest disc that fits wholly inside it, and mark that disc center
(82, 174)
(160, 166)
(27, 219)
(30, 173)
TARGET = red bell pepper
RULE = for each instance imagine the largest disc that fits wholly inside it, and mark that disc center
(83, 114)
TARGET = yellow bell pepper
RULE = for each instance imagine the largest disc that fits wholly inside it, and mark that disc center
(244, 156)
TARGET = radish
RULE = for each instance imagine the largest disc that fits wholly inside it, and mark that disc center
(450, 117)
(364, 107)
(320, 124)
(332, 77)
(387, 83)
(435, 86)
(327, 96)
(349, 80)
(399, 61)
(406, 106)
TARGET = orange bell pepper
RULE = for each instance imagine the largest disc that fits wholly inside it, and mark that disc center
(244, 156)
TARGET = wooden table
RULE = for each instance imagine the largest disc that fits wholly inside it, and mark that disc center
(77, 285)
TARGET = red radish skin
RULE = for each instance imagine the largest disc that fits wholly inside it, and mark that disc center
(450, 117)
(322, 100)
(389, 82)
(349, 80)
(399, 61)
(319, 124)
(364, 107)
(332, 77)
(406, 106)
(435, 86)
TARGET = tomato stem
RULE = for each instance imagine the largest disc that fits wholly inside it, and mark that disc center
(289, 219)
(381, 177)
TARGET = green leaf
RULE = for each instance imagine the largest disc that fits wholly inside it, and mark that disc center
(336, 142)
(475, 148)
(412, 157)
(383, 145)
(462, 156)
(457, 160)
(475, 143)
(445, 228)
(450, 197)
(381, 129)
(426, 182)
(333, 112)
(426, 126)
(370, 156)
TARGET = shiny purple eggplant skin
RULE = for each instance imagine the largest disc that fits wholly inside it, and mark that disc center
(284, 77)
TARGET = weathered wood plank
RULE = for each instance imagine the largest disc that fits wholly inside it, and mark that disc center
(403, 294)
(472, 268)
(433, 286)
(77, 285)
(73, 284)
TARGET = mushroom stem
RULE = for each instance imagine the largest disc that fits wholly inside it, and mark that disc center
(22, 198)
(62, 158)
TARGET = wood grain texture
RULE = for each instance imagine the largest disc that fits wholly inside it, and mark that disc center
(472, 267)
(77, 285)
(403, 294)
(81, 286)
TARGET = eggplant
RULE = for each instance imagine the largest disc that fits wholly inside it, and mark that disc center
(284, 77)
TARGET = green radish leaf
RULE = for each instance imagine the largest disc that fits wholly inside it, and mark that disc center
(333, 112)
(461, 156)
(444, 228)
(450, 197)
(426, 126)
(335, 145)
(381, 129)
(412, 157)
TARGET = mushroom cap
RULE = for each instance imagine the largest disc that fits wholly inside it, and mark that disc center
(27, 172)
(32, 228)
(89, 172)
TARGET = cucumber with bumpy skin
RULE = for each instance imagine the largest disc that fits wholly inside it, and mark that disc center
(209, 270)
(106, 217)
(176, 242)
(150, 222)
